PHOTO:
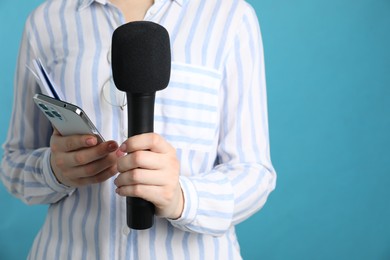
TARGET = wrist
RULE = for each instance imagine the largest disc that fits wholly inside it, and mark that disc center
(179, 205)
(55, 172)
(51, 178)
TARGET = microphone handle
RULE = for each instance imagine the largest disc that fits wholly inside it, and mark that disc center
(140, 108)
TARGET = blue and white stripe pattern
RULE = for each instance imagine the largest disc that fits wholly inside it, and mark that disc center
(214, 112)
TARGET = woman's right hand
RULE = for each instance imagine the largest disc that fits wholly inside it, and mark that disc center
(79, 160)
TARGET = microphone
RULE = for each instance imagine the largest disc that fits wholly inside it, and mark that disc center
(141, 65)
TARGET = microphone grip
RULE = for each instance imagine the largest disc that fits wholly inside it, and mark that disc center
(140, 108)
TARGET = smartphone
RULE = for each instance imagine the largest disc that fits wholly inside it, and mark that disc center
(67, 118)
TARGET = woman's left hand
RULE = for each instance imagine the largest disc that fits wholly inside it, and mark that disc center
(150, 170)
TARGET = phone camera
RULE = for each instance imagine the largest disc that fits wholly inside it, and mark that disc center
(44, 107)
(56, 114)
(49, 114)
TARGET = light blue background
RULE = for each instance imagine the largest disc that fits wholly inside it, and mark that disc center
(328, 74)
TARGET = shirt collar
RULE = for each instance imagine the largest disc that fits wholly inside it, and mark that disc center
(85, 3)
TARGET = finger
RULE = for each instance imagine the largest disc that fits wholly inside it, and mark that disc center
(141, 176)
(168, 202)
(99, 177)
(141, 159)
(92, 169)
(148, 141)
(59, 143)
(89, 155)
(158, 195)
(146, 192)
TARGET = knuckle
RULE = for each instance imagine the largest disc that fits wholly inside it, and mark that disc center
(59, 162)
(137, 157)
(69, 144)
(173, 162)
(168, 194)
(136, 175)
(172, 165)
(121, 164)
(79, 158)
(90, 170)
(137, 191)
(54, 147)
(155, 140)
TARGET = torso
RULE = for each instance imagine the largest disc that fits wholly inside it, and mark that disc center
(75, 47)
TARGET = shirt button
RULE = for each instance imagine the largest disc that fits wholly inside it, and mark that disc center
(126, 230)
(152, 11)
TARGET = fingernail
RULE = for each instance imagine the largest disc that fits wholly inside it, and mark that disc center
(119, 153)
(112, 146)
(91, 141)
(123, 147)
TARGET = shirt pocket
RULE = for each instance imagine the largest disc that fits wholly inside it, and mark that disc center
(187, 111)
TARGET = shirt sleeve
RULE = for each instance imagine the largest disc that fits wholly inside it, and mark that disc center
(243, 177)
(25, 169)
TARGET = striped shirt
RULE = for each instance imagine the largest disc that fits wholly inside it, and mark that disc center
(214, 112)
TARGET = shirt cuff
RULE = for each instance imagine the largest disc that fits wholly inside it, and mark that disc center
(51, 179)
(191, 203)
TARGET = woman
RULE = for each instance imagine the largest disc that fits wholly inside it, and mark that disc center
(206, 169)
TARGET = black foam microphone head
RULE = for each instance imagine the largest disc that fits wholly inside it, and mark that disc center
(141, 57)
